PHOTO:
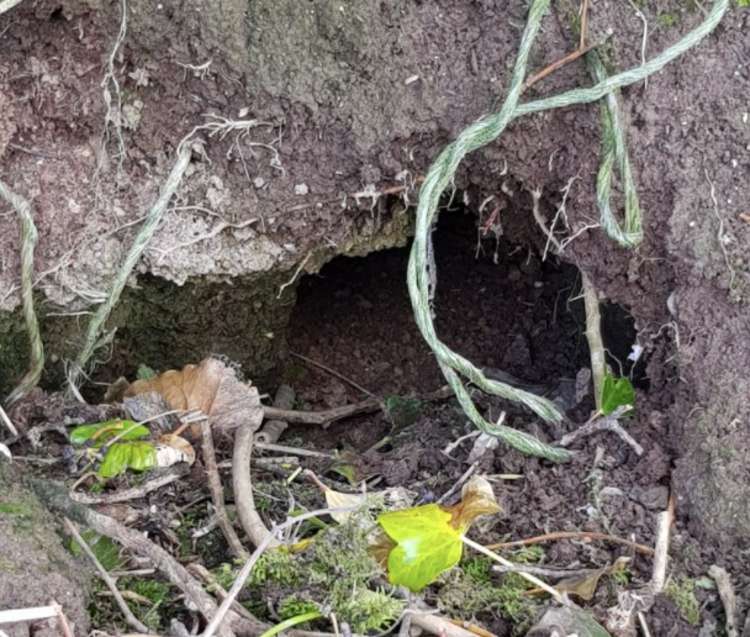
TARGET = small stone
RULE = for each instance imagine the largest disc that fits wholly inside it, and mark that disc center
(655, 498)
(259, 182)
(301, 189)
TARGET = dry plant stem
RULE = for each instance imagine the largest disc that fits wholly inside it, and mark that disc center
(333, 372)
(527, 576)
(438, 625)
(202, 572)
(574, 55)
(472, 628)
(551, 573)
(297, 451)
(30, 614)
(728, 597)
(141, 241)
(661, 550)
(217, 492)
(605, 423)
(8, 422)
(644, 625)
(62, 620)
(129, 617)
(570, 57)
(55, 497)
(244, 573)
(272, 429)
(322, 417)
(242, 483)
(133, 493)
(573, 535)
(594, 337)
(7, 5)
(28, 243)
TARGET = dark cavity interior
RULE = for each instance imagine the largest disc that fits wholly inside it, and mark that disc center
(516, 314)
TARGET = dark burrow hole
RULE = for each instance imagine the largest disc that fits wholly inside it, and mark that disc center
(519, 314)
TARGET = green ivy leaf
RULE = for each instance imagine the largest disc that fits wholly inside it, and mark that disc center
(616, 392)
(426, 545)
(137, 455)
(101, 432)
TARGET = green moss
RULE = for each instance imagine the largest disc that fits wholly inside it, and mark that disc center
(668, 20)
(681, 591)
(743, 4)
(528, 554)
(15, 508)
(295, 605)
(275, 567)
(470, 590)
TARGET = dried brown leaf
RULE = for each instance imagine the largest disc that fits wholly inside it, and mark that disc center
(477, 498)
(211, 387)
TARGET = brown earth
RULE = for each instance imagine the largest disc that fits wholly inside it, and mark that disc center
(329, 81)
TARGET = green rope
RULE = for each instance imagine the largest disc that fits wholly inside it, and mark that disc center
(142, 239)
(615, 153)
(440, 176)
(28, 243)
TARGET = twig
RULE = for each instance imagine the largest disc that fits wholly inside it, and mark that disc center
(438, 625)
(28, 243)
(552, 573)
(322, 417)
(244, 573)
(458, 441)
(570, 57)
(594, 337)
(217, 492)
(644, 625)
(8, 422)
(31, 614)
(527, 576)
(7, 5)
(273, 428)
(242, 484)
(472, 628)
(132, 493)
(333, 372)
(572, 535)
(459, 483)
(297, 451)
(62, 620)
(206, 575)
(55, 497)
(605, 423)
(727, 595)
(129, 617)
(661, 550)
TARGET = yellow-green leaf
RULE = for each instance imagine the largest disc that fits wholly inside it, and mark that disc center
(137, 455)
(616, 392)
(100, 432)
(426, 545)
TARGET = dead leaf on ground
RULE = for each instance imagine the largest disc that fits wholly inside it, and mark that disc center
(211, 387)
(477, 498)
(584, 586)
